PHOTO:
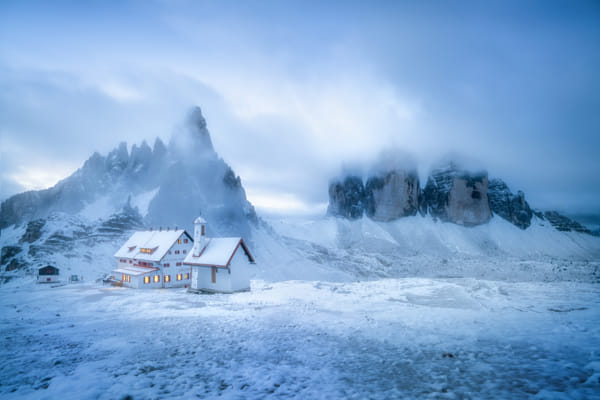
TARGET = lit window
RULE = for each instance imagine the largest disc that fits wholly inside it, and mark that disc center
(178, 277)
(128, 278)
(156, 278)
(179, 241)
(167, 278)
(146, 279)
(124, 278)
(187, 275)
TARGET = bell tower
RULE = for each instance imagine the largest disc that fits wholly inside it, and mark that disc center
(199, 235)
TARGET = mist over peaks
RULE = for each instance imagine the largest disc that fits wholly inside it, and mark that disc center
(166, 185)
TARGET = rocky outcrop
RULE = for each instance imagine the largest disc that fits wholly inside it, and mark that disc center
(347, 198)
(15, 264)
(457, 196)
(392, 195)
(33, 231)
(9, 252)
(564, 224)
(511, 207)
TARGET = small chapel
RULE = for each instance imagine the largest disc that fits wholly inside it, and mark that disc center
(219, 265)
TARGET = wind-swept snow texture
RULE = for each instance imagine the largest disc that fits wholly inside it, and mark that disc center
(393, 338)
(338, 309)
(339, 249)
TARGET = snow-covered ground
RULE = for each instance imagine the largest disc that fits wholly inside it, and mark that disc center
(392, 338)
(338, 309)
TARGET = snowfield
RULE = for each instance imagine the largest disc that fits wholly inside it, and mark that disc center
(338, 309)
(393, 338)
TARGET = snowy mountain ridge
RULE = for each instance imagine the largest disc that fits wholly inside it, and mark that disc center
(79, 223)
(167, 184)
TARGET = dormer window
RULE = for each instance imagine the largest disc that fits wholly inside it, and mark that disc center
(146, 250)
(132, 248)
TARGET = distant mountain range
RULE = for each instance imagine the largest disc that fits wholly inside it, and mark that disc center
(451, 194)
(79, 223)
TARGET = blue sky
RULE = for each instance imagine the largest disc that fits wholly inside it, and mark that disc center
(294, 90)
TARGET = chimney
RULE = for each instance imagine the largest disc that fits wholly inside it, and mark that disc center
(199, 236)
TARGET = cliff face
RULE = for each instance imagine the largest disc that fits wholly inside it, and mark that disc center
(457, 196)
(392, 195)
(451, 195)
(511, 207)
(347, 198)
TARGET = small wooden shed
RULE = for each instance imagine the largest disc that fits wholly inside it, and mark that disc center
(48, 274)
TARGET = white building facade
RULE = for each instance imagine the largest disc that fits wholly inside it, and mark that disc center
(154, 259)
(219, 265)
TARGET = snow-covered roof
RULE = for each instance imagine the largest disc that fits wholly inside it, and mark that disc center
(199, 220)
(150, 245)
(130, 270)
(218, 252)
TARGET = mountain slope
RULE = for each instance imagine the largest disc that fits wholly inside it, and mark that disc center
(87, 215)
(420, 246)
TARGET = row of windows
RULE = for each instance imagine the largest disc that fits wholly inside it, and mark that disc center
(126, 278)
(167, 278)
(141, 263)
(177, 251)
(179, 241)
(178, 264)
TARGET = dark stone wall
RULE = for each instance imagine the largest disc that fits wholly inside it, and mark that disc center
(347, 198)
(511, 207)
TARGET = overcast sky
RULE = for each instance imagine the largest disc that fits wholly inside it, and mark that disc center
(294, 90)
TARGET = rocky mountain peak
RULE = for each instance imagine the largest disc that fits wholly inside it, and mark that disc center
(456, 195)
(159, 149)
(511, 207)
(170, 184)
(191, 140)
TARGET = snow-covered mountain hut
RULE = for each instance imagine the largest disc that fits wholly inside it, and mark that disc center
(154, 259)
(219, 265)
(48, 274)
